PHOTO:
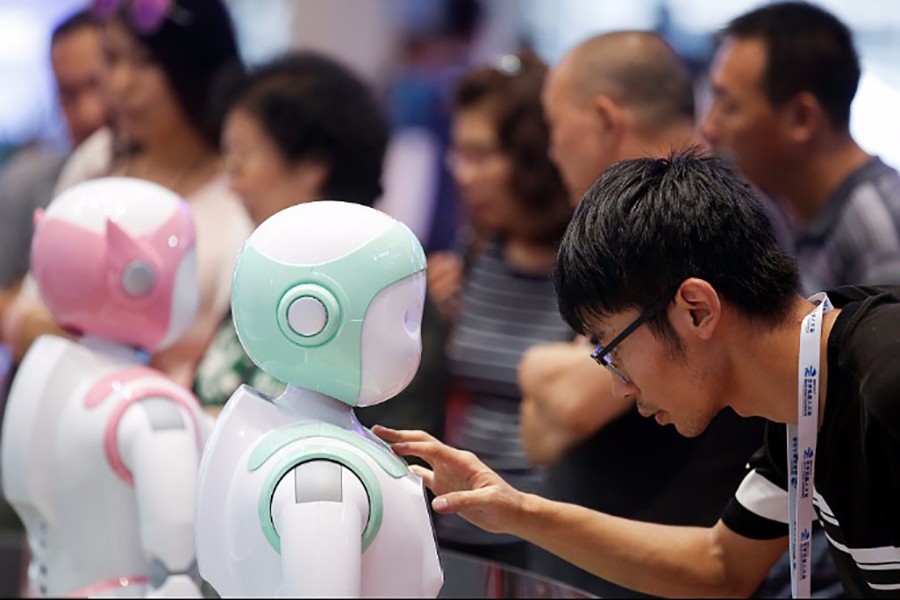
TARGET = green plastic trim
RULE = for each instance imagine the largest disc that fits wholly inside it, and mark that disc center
(333, 367)
(274, 441)
(340, 456)
(332, 314)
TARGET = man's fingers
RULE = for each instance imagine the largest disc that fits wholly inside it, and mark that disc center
(453, 502)
(427, 475)
(430, 452)
(394, 436)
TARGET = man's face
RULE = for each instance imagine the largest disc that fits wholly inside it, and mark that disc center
(741, 123)
(578, 145)
(77, 60)
(664, 381)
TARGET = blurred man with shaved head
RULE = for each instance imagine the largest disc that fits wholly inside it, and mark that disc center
(614, 97)
(617, 96)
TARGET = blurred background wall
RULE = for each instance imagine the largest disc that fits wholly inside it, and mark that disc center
(374, 37)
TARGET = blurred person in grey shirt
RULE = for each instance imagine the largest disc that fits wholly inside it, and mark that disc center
(28, 179)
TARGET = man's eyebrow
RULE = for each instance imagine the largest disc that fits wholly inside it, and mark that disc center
(595, 336)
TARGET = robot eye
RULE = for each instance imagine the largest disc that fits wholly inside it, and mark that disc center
(409, 322)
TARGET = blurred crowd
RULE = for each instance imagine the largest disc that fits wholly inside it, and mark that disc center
(512, 146)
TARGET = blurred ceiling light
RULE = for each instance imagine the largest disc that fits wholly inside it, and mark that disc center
(874, 119)
(22, 36)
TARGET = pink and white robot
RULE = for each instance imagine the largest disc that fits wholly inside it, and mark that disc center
(100, 452)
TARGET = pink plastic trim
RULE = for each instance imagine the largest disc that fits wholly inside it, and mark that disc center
(103, 388)
(79, 274)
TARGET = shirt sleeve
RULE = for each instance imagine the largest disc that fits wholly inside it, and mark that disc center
(759, 508)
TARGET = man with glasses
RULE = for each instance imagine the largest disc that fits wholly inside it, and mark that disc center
(617, 96)
(603, 355)
(673, 266)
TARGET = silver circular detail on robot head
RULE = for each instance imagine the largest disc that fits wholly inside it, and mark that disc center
(307, 316)
(138, 278)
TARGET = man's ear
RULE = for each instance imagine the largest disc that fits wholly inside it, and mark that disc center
(611, 115)
(698, 309)
(804, 117)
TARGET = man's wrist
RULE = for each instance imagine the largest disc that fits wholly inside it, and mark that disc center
(528, 515)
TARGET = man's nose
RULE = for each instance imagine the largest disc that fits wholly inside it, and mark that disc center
(626, 390)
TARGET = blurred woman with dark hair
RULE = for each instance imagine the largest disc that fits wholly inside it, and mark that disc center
(302, 127)
(298, 129)
(161, 59)
(515, 199)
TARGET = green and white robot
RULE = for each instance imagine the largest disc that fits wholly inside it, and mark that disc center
(297, 498)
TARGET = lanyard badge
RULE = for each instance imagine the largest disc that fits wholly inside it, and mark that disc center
(801, 440)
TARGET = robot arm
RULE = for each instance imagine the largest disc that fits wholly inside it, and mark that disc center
(320, 510)
(159, 447)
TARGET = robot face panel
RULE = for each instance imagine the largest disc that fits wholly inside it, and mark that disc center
(115, 258)
(392, 340)
(311, 280)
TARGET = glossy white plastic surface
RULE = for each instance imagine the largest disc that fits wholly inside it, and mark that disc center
(392, 340)
(330, 567)
(318, 232)
(254, 539)
(99, 452)
(234, 555)
(88, 529)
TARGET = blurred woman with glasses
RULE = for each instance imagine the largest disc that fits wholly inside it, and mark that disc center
(515, 201)
(161, 58)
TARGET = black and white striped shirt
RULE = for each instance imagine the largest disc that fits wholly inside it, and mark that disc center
(857, 473)
(504, 313)
(855, 238)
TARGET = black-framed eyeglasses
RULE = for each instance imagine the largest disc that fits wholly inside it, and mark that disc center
(601, 353)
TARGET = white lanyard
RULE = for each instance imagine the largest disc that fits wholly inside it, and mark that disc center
(801, 440)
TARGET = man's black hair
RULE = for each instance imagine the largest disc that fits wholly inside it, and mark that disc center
(807, 50)
(648, 224)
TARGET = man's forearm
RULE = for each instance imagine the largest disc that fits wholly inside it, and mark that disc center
(543, 438)
(655, 559)
(568, 388)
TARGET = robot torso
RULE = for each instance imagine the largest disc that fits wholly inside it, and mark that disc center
(66, 467)
(257, 441)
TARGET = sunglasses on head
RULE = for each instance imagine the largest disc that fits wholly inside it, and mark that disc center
(146, 16)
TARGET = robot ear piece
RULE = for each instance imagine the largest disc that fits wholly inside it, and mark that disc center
(137, 275)
(309, 314)
(138, 278)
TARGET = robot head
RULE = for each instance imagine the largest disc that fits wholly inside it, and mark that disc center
(114, 258)
(328, 296)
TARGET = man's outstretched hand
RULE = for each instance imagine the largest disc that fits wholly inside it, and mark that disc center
(461, 483)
